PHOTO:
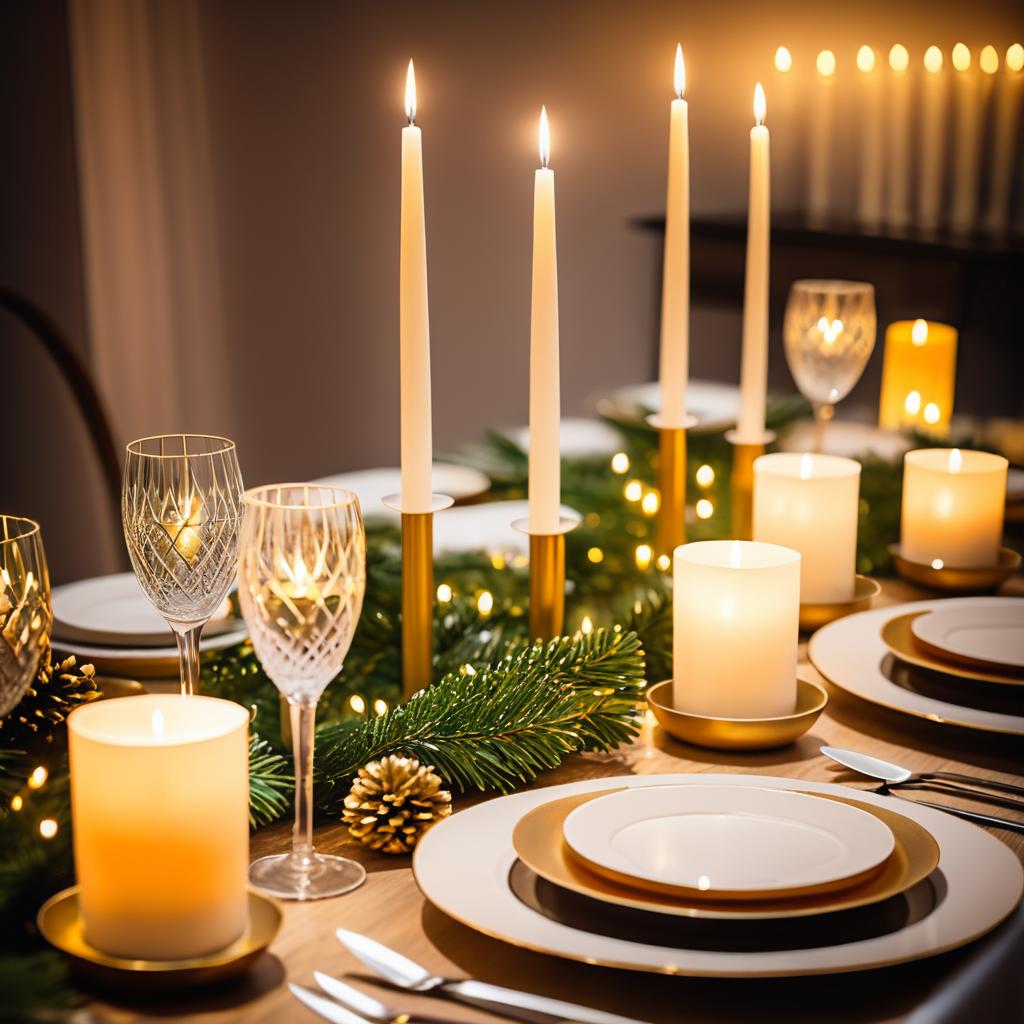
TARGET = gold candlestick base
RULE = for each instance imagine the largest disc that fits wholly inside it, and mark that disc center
(547, 578)
(671, 527)
(744, 452)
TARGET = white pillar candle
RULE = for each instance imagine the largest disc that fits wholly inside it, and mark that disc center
(810, 503)
(819, 206)
(953, 507)
(966, 141)
(545, 409)
(1004, 133)
(675, 285)
(414, 323)
(736, 614)
(869, 197)
(933, 138)
(898, 184)
(754, 370)
(160, 809)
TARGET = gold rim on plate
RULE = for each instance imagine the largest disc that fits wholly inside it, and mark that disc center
(898, 637)
(738, 733)
(865, 590)
(957, 580)
(537, 839)
(60, 923)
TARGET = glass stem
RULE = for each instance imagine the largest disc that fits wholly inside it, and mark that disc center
(188, 656)
(823, 413)
(303, 720)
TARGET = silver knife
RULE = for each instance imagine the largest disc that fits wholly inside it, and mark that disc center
(327, 1008)
(405, 973)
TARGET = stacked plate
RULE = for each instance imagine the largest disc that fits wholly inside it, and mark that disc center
(108, 621)
(957, 661)
(718, 875)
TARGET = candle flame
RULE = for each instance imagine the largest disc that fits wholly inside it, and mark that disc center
(157, 724)
(410, 93)
(899, 58)
(826, 63)
(783, 59)
(919, 332)
(1015, 57)
(912, 403)
(806, 466)
(680, 72)
(961, 57)
(866, 59)
(933, 60)
(760, 104)
(956, 460)
(735, 555)
(544, 137)
(989, 60)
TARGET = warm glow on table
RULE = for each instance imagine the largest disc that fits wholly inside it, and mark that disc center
(810, 503)
(918, 376)
(160, 805)
(736, 611)
(953, 507)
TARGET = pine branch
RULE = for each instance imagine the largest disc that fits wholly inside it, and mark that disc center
(270, 783)
(502, 725)
(35, 987)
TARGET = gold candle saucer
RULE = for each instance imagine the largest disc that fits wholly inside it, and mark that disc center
(865, 590)
(60, 924)
(738, 733)
(956, 580)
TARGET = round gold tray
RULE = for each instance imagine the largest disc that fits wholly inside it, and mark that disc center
(865, 590)
(957, 581)
(738, 733)
(538, 842)
(61, 925)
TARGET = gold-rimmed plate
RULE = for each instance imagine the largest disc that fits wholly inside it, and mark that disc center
(898, 636)
(991, 639)
(537, 839)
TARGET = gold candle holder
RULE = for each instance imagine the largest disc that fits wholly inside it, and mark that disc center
(744, 452)
(417, 592)
(547, 578)
(671, 526)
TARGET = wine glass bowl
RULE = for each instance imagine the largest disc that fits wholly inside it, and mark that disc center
(181, 510)
(829, 333)
(25, 611)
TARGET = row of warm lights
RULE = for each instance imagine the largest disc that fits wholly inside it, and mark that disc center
(899, 59)
(358, 704)
(48, 826)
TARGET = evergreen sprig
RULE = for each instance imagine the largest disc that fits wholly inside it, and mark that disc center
(500, 726)
(270, 783)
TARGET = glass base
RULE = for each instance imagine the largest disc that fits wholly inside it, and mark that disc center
(290, 877)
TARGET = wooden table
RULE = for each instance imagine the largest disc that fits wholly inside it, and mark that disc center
(390, 908)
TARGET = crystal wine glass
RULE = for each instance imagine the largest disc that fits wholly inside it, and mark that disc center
(302, 575)
(25, 615)
(181, 508)
(829, 333)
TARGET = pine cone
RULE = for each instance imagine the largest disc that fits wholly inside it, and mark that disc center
(393, 802)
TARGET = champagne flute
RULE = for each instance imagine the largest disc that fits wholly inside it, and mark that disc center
(302, 575)
(829, 333)
(181, 509)
(25, 615)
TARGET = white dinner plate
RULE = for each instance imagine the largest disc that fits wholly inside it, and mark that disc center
(852, 656)
(729, 842)
(990, 634)
(577, 437)
(850, 439)
(485, 527)
(715, 405)
(373, 485)
(464, 866)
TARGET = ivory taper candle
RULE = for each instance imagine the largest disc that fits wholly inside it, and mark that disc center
(819, 179)
(545, 406)
(160, 809)
(675, 286)
(897, 191)
(933, 137)
(810, 503)
(869, 196)
(788, 180)
(414, 323)
(953, 508)
(754, 369)
(966, 141)
(736, 616)
(1007, 116)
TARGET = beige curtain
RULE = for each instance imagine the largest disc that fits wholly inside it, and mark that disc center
(149, 235)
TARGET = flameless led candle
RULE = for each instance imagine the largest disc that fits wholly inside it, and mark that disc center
(821, 137)
(918, 376)
(675, 286)
(953, 507)
(414, 323)
(870, 195)
(933, 133)
(898, 184)
(545, 408)
(160, 809)
(809, 503)
(736, 614)
(967, 141)
(1007, 115)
